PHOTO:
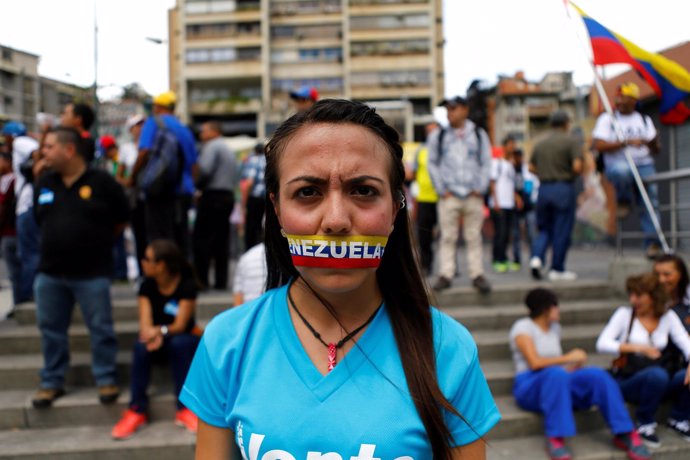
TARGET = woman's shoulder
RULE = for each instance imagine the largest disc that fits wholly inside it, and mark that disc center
(241, 319)
(521, 325)
(451, 337)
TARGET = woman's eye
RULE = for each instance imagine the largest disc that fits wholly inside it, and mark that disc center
(306, 192)
(365, 191)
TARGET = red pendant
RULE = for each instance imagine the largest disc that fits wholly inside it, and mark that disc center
(331, 356)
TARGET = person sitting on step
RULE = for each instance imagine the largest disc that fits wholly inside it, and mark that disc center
(552, 383)
(167, 300)
(640, 332)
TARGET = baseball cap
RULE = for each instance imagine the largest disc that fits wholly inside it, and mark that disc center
(107, 141)
(453, 101)
(14, 129)
(629, 89)
(305, 92)
(166, 99)
(133, 121)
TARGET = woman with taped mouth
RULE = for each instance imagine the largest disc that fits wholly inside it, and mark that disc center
(343, 357)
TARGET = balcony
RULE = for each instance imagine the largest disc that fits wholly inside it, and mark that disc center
(313, 7)
(225, 106)
(220, 6)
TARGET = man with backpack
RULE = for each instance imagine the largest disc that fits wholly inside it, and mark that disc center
(163, 171)
(459, 166)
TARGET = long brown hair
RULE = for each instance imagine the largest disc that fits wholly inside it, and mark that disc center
(398, 275)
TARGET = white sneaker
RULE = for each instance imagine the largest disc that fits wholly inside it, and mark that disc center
(562, 276)
(535, 267)
(535, 262)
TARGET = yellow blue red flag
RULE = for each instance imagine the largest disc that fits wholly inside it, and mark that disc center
(669, 80)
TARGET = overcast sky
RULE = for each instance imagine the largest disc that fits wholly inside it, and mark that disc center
(484, 38)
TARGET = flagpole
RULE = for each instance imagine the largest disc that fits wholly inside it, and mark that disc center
(621, 138)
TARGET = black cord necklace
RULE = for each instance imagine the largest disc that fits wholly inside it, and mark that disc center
(332, 347)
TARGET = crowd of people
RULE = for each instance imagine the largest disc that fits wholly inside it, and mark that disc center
(65, 199)
(650, 340)
(455, 178)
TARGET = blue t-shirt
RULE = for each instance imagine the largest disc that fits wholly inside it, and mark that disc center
(184, 137)
(251, 375)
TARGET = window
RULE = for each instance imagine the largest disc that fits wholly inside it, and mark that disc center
(225, 54)
(389, 48)
(6, 54)
(401, 21)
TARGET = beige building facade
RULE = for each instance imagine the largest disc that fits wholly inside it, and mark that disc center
(236, 61)
(19, 86)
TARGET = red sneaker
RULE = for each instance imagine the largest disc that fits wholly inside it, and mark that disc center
(186, 418)
(557, 450)
(128, 425)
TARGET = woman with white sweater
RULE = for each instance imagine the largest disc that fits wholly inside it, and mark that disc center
(640, 332)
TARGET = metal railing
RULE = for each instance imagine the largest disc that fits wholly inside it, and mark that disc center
(674, 206)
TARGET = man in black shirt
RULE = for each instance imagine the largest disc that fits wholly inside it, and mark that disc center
(79, 211)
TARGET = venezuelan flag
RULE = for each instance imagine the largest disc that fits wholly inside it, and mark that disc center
(669, 80)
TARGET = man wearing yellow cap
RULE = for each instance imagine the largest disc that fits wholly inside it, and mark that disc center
(167, 218)
(640, 139)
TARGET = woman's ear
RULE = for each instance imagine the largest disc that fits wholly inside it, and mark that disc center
(276, 205)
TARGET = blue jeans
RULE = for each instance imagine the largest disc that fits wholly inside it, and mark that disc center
(55, 298)
(555, 392)
(14, 265)
(178, 350)
(555, 220)
(645, 388)
(680, 395)
(620, 175)
(530, 220)
(28, 240)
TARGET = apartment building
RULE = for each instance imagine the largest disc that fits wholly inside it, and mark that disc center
(236, 61)
(521, 108)
(19, 86)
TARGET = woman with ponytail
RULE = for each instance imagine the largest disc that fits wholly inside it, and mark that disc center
(343, 357)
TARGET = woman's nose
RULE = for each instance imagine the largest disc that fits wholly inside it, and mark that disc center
(336, 216)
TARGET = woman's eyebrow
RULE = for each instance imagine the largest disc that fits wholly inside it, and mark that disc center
(309, 179)
(320, 181)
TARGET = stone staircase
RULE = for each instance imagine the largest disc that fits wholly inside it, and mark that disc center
(78, 427)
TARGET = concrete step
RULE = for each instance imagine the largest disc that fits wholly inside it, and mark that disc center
(594, 445)
(79, 407)
(500, 373)
(127, 310)
(19, 372)
(27, 339)
(158, 440)
(494, 344)
(210, 304)
(476, 318)
(510, 294)
(517, 423)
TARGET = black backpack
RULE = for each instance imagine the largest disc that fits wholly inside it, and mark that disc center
(162, 173)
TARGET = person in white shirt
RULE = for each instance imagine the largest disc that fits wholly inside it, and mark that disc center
(640, 332)
(641, 141)
(250, 275)
(23, 148)
(503, 201)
